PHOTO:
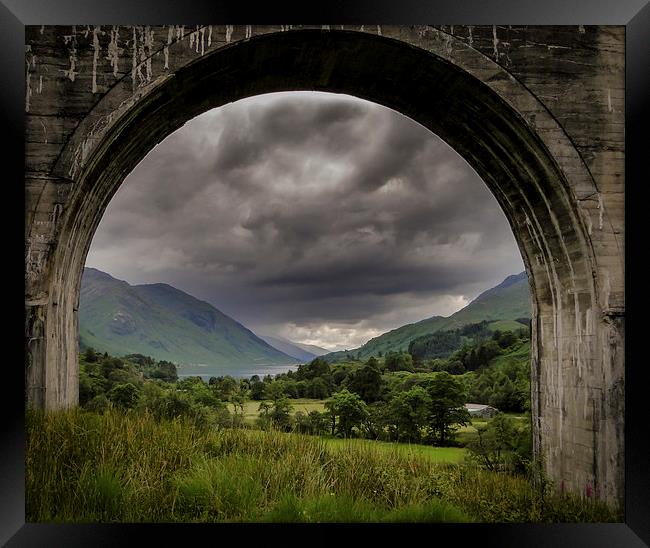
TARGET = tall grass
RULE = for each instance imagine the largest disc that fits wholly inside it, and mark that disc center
(121, 467)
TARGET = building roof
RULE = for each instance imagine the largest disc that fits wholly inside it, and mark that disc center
(478, 407)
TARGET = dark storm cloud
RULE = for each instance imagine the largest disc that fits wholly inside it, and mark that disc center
(301, 212)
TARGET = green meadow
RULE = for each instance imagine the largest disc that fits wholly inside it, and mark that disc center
(251, 407)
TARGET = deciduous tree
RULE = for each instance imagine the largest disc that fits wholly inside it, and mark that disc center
(447, 406)
(347, 411)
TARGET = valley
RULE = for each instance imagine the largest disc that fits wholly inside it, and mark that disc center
(341, 437)
(163, 322)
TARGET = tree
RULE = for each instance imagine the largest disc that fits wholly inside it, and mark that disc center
(398, 361)
(204, 394)
(238, 398)
(314, 423)
(91, 384)
(339, 374)
(141, 360)
(188, 383)
(274, 390)
(505, 385)
(447, 406)
(348, 409)
(165, 371)
(264, 409)
(302, 389)
(110, 364)
(280, 413)
(301, 423)
(257, 390)
(379, 417)
(90, 355)
(171, 404)
(290, 388)
(276, 413)
(318, 367)
(410, 413)
(124, 395)
(87, 390)
(225, 386)
(455, 367)
(317, 422)
(502, 445)
(99, 404)
(317, 388)
(366, 382)
(122, 376)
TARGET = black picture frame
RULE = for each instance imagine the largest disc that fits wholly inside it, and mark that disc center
(634, 14)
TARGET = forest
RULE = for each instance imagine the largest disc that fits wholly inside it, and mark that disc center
(391, 398)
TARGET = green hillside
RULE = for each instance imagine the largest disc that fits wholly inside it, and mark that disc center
(505, 382)
(161, 321)
(506, 325)
(507, 301)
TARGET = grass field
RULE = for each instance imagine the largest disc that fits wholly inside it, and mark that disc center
(251, 408)
(124, 467)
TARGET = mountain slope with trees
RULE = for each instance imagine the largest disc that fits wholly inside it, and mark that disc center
(510, 300)
(161, 321)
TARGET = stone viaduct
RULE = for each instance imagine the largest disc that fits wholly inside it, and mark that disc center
(537, 111)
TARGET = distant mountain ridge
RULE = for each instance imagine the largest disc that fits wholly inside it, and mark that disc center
(163, 322)
(312, 349)
(300, 351)
(288, 347)
(508, 300)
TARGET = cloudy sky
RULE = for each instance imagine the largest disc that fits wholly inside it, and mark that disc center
(318, 217)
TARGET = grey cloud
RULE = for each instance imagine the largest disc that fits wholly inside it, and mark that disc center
(305, 208)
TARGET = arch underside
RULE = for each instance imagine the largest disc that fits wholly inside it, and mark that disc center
(577, 372)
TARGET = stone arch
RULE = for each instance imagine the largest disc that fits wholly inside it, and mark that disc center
(493, 120)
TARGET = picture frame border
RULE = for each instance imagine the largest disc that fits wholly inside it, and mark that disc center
(633, 14)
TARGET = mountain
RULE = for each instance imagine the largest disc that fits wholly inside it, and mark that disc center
(300, 351)
(288, 347)
(165, 323)
(312, 349)
(507, 301)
